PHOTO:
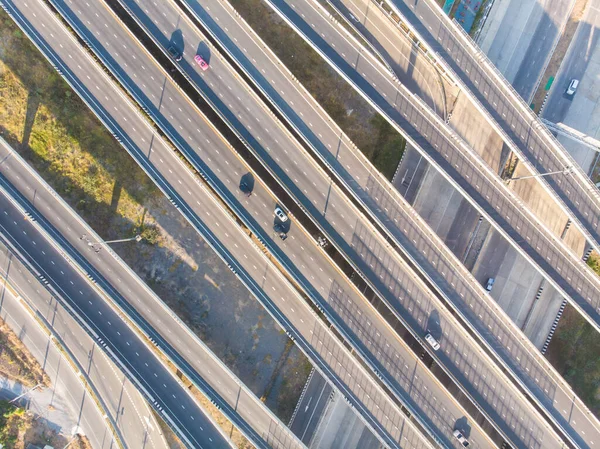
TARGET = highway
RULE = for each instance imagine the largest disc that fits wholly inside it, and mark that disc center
(169, 397)
(324, 282)
(514, 348)
(210, 220)
(168, 24)
(65, 380)
(125, 406)
(518, 125)
(456, 161)
(547, 30)
(220, 380)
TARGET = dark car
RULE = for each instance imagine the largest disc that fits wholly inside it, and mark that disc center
(175, 54)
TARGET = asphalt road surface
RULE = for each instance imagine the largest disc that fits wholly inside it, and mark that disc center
(325, 279)
(311, 407)
(274, 292)
(201, 360)
(574, 66)
(307, 23)
(112, 332)
(526, 355)
(124, 404)
(65, 381)
(547, 30)
(163, 21)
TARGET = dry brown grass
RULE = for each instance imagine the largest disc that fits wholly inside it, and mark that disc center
(16, 362)
(58, 135)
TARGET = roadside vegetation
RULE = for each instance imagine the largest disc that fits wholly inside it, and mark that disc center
(48, 124)
(19, 428)
(16, 362)
(56, 133)
(575, 353)
(367, 129)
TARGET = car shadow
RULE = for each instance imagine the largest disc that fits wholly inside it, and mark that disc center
(204, 51)
(433, 325)
(177, 40)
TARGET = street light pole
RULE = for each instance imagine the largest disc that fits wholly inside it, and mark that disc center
(25, 394)
(564, 171)
(137, 238)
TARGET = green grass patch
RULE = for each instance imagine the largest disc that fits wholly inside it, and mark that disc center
(575, 352)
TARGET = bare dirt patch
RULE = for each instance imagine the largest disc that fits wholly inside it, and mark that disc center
(18, 428)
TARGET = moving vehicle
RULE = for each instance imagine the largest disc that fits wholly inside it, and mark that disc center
(432, 341)
(201, 62)
(461, 438)
(572, 87)
(490, 284)
(175, 54)
(281, 214)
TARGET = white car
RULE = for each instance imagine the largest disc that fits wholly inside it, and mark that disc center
(572, 87)
(461, 438)
(280, 214)
(432, 341)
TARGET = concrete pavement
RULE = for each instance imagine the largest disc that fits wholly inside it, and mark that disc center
(580, 111)
(520, 36)
(304, 25)
(327, 279)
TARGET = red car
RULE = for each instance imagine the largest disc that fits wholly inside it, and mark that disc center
(201, 62)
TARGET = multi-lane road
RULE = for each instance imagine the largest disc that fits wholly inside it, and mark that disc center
(165, 25)
(172, 122)
(558, 384)
(123, 404)
(327, 283)
(230, 242)
(512, 118)
(160, 387)
(200, 359)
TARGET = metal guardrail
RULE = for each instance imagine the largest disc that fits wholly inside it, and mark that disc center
(539, 129)
(95, 237)
(230, 262)
(132, 150)
(416, 99)
(259, 233)
(59, 343)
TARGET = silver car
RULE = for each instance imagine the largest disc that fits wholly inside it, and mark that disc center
(281, 214)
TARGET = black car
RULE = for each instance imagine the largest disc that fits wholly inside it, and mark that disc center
(175, 54)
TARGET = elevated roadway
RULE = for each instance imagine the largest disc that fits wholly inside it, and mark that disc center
(25, 304)
(520, 128)
(322, 282)
(233, 245)
(494, 326)
(163, 21)
(86, 302)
